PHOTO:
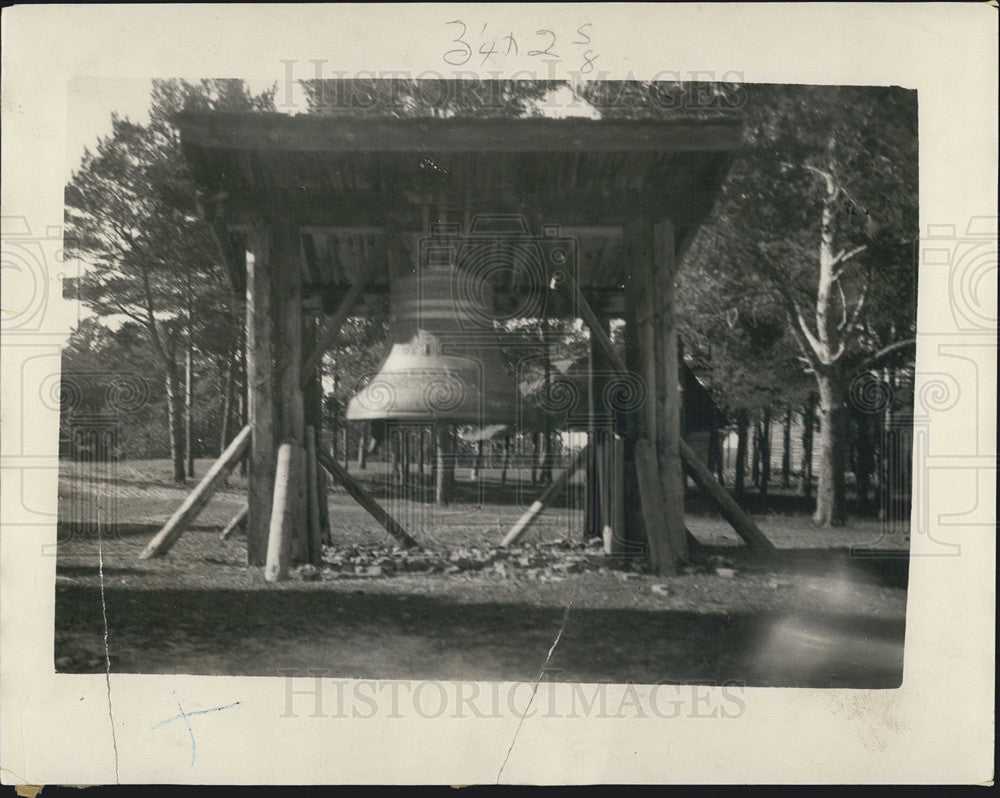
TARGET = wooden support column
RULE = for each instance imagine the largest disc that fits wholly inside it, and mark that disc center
(598, 428)
(634, 530)
(287, 263)
(260, 390)
(668, 404)
(445, 456)
(645, 425)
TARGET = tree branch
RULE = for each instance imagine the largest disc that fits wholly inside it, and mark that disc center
(873, 360)
(856, 314)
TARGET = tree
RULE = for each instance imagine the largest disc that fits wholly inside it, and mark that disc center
(821, 204)
(132, 215)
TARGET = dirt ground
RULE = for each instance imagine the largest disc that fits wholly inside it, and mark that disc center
(828, 611)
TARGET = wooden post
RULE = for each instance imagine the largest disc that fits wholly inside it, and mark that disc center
(362, 497)
(279, 540)
(531, 514)
(234, 523)
(445, 455)
(654, 513)
(739, 520)
(260, 390)
(634, 531)
(198, 498)
(668, 404)
(609, 472)
(313, 402)
(315, 526)
(287, 260)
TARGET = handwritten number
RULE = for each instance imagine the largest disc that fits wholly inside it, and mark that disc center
(487, 53)
(547, 50)
(588, 62)
(580, 32)
(464, 52)
(511, 42)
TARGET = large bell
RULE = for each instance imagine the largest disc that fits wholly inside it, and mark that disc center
(445, 363)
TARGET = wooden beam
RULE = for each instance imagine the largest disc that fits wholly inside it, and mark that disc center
(372, 208)
(606, 301)
(260, 390)
(741, 522)
(304, 133)
(531, 515)
(287, 260)
(654, 512)
(332, 330)
(315, 526)
(668, 391)
(592, 320)
(198, 498)
(234, 523)
(279, 541)
(362, 497)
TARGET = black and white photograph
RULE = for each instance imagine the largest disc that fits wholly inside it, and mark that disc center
(399, 377)
(445, 392)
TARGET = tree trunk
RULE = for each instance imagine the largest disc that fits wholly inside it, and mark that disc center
(188, 405)
(227, 402)
(175, 418)
(755, 457)
(865, 462)
(742, 432)
(831, 493)
(786, 450)
(808, 424)
(765, 452)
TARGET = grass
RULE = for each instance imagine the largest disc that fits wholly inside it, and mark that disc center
(814, 616)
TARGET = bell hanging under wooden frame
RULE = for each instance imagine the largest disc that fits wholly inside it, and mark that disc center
(445, 363)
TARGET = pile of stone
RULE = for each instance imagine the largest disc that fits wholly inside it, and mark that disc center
(543, 562)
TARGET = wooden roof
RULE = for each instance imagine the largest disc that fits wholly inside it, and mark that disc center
(371, 188)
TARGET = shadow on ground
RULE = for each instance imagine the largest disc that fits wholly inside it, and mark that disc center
(386, 636)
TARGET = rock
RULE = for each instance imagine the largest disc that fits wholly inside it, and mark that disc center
(500, 570)
(662, 590)
(374, 570)
(691, 570)
(452, 569)
(309, 572)
(725, 573)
